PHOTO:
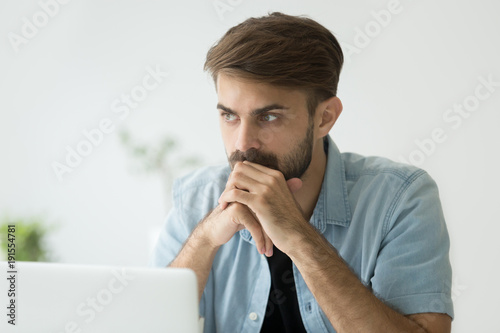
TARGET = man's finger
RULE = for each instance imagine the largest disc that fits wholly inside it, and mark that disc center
(236, 195)
(261, 168)
(294, 184)
(241, 184)
(269, 244)
(255, 229)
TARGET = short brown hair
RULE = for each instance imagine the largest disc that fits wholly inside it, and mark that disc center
(282, 50)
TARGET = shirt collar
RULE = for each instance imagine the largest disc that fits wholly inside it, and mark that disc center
(333, 204)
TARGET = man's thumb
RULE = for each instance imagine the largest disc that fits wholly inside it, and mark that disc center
(294, 184)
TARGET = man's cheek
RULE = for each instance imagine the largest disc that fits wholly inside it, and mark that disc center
(266, 135)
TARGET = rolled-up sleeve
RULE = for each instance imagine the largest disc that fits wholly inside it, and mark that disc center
(168, 243)
(191, 202)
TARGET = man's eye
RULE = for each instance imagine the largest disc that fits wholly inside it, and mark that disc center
(268, 117)
(229, 116)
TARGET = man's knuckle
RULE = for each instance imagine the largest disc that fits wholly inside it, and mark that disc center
(237, 166)
(267, 190)
(276, 174)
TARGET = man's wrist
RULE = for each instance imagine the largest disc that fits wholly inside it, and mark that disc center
(202, 233)
(300, 239)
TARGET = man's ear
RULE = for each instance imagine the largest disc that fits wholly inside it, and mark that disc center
(327, 114)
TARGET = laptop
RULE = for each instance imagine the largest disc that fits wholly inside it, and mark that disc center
(66, 298)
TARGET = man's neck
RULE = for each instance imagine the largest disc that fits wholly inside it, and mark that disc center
(308, 194)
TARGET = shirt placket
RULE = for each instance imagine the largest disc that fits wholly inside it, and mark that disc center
(309, 308)
(258, 302)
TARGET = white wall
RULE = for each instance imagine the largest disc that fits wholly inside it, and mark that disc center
(396, 90)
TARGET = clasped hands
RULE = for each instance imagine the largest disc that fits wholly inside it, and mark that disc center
(259, 199)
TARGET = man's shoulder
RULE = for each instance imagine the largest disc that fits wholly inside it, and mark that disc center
(357, 166)
(213, 176)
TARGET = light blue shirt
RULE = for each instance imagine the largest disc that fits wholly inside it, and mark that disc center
(384, 218)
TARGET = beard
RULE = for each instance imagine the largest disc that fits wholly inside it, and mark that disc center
(293, 165)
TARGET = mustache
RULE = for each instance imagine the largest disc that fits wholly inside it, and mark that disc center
(268, 160)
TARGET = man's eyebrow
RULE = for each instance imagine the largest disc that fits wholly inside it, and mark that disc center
(255, 112)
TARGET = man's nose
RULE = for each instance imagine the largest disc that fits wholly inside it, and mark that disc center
(248, 136)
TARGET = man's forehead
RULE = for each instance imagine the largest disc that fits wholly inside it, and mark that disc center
(225, 80)
(234, 93)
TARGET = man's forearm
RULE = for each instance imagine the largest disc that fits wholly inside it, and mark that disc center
(197, 254)
(217, 228)
(347, 303)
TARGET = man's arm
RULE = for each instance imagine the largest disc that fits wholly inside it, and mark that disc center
(198, 254)
(347, 303)
(217, 228)
(355, 308)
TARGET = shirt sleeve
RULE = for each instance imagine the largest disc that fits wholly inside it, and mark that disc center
(176, 230)
(413, 271)
(172, 236)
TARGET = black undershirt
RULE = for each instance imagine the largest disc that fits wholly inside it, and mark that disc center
(282, 313)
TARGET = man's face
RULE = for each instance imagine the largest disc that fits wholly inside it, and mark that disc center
(265, 125)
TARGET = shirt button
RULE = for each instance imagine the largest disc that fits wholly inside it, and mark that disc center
(253, 316)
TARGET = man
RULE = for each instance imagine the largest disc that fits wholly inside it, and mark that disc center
(294, 236)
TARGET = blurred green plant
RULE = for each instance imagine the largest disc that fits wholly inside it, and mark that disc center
(30, 239)
(163, 157)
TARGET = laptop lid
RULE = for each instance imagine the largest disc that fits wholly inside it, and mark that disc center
(64, 298)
